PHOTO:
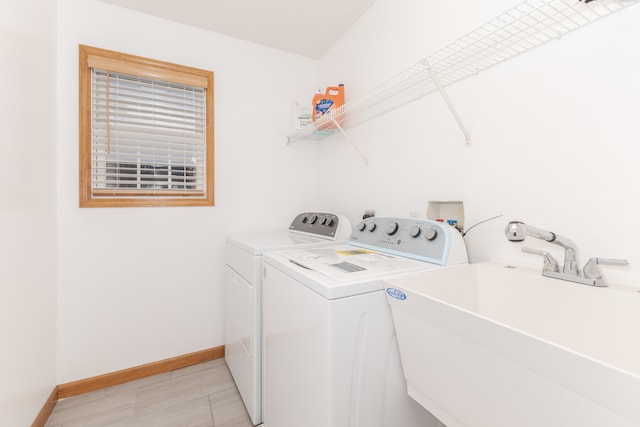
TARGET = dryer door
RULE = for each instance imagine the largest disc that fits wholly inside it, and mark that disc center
(241, 352)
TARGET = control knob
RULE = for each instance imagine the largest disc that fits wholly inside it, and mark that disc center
(430, 233)
(414, 231)
(372, 227)
(392, 228)
(314, 219)
(362, 226)
(328, 221)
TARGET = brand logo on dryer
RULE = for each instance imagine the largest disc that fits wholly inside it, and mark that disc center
(390, 241)
(396, 293)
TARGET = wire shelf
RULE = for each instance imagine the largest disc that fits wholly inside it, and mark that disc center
(527, 25)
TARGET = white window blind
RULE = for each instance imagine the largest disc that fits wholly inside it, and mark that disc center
(148, 137)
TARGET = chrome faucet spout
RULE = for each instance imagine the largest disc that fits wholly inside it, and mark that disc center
(517, 231)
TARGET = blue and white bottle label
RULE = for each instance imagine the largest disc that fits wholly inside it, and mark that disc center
(323, 106)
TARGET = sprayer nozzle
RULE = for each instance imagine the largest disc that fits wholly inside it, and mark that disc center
(515, 231)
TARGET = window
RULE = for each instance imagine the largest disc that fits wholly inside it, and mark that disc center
(146, 132)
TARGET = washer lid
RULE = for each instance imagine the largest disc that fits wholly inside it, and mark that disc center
(349, 263)
(344, 270)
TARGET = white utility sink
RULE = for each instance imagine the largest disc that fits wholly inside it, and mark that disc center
(495, 346)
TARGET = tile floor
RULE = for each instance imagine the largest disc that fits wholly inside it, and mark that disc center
(202, 395)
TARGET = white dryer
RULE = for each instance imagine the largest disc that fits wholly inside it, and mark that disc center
(331, 356)
(243, 295)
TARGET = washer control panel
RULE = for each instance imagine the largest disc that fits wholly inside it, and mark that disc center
(416, 238)
(319, 224)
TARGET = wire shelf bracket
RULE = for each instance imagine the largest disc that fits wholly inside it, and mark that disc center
(527, 25)
(452, 109)
(350, 141)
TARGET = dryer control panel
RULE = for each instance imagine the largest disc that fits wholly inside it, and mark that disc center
(320, 224)
(415, 238)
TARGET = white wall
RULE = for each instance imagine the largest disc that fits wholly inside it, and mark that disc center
(144, 284)
(554, 132)
(553, 144)
(27, 209)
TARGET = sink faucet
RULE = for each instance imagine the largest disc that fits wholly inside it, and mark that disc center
(517, 231)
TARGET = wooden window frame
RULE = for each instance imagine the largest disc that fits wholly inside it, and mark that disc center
(91, 57)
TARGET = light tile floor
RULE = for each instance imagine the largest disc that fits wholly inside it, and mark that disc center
(202, 395)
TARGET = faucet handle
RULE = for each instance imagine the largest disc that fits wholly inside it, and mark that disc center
(592, 270)
(550, 263)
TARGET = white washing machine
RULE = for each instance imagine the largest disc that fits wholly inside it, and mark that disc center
(331, 356)
(243, 295)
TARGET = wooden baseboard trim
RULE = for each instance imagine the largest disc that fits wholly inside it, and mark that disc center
(75, 388)
(47, 409)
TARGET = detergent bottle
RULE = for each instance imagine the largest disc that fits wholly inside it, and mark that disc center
(326, 102)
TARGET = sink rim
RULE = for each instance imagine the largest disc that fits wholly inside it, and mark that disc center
(589, 347)
(427, 323)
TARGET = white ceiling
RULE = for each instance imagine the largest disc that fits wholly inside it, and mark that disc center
(305, 27)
